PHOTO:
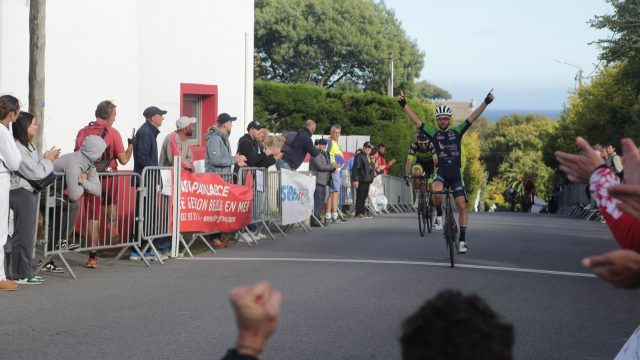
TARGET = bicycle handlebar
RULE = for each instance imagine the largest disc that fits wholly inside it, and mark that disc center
(421, 177)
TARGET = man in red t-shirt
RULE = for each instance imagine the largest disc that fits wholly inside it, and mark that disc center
(115, 153)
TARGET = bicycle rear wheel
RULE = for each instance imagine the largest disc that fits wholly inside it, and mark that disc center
(421, 214)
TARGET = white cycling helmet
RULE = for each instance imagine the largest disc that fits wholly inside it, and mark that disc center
(443, 110)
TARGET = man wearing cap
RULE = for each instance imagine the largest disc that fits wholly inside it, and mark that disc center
(321, 169)
(178, 143)
(218, 157)
(248, 145)
(362, 176)
(145, 153)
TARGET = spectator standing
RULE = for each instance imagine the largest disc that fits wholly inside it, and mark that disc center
(614, 162)
(297, 150)
(335, 157)
(178, 143)
(115, 152)
(321, 169)
(218, 156)
(249, 145)
(382, 166)
(145, 153)
(10, 160)
(23, 201)
(362, 176)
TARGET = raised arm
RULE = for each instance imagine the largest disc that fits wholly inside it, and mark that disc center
(412, 116)
(477, 112)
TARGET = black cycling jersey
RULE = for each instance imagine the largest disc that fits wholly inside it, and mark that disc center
(423, 157)
(447, 143)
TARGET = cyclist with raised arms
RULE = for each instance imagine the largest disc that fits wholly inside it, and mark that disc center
(421, 161)
(447, 141)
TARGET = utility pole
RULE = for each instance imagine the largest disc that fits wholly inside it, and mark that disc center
(579, 76)
(37, 16)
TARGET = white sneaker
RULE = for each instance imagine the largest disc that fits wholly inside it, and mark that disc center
(463, 247)
(438, 223)
(261, 236)
(245, 238)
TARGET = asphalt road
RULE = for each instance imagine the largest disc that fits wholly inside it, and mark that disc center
(346, 290)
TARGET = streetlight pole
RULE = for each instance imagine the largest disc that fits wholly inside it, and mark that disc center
(579, 76)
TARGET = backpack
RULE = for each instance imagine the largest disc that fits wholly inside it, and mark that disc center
(290, 137)
(93, 128)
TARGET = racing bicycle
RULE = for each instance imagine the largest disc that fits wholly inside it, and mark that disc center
(450, 227)
(425, 210)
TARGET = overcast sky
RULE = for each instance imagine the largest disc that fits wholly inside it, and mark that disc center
(509, 45)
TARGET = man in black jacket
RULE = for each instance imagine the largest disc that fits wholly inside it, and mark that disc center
(257, 156)
(249, 146)
(302, 145)
(362, 176)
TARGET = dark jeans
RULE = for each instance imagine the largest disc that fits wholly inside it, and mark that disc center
(362, 192)
(318, 199)
(24, 205)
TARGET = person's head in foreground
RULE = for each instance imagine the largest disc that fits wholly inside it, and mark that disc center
(453, 326)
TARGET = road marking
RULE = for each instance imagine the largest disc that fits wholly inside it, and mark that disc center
(396, 262)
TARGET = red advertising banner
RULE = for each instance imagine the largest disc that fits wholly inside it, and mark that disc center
(208, 203)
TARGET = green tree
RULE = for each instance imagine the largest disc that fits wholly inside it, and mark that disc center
(624, 24)
(520, 165)
(484, 127)
(325, 42)
(430, 91)
(285, 107)
(515, 132)
(473, 170)
(495, 191)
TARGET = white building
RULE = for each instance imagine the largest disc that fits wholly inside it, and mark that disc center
(186, 57)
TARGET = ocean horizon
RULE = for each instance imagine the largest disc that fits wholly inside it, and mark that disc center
(496, 114)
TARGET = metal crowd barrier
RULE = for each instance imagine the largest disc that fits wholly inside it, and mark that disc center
(406, 196)
(393, 191)
(92, 222)
(347, 197)
(274, 202)
(574, 201)
(261, 190)
(154, 210)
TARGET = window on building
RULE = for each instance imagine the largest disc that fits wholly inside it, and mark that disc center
(199, 101)
(192, 107)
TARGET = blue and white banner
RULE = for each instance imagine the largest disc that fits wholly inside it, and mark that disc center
(296, 193)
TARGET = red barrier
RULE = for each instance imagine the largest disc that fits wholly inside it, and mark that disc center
(208, 204)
